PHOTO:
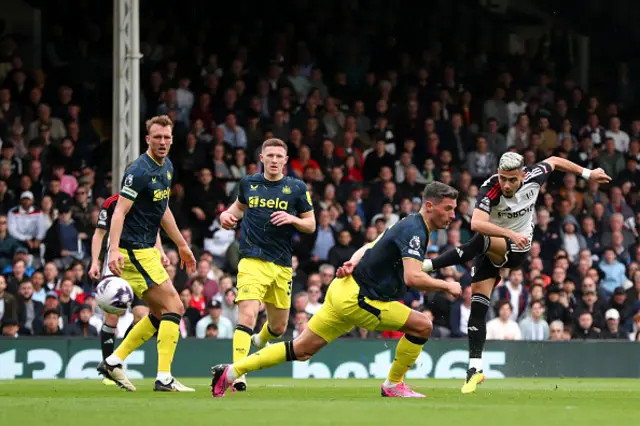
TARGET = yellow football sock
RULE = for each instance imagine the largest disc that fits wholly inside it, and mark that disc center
(241, 342)
(406, 354)
(168, 335)
(268, 357)
(266, 335)
(140, 333)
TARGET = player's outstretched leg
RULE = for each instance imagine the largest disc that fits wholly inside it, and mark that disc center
(302, 348)
(417, 330)
(476, 246)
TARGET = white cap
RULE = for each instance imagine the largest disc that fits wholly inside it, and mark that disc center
(612, 314)
(27, 194)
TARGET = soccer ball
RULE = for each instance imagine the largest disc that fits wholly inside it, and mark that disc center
(114, 295)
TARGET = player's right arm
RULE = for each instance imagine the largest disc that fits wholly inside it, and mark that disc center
(349, 266)
(96, 246)
(416, 278)
(230, 217)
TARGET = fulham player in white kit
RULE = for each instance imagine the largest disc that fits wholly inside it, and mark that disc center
(503, 222)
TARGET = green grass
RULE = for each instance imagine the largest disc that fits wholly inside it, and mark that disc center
(520, 402)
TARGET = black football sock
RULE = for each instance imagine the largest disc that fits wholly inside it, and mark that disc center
(477, 328)
(462, 254)
(107, 340)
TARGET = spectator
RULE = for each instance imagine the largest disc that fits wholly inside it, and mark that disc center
(480, 162)
(8, 244)
(534, 327)
(229, 307)
(62, 240)
(613, 331)
(81, 327)
(198, 301)
(26, 223)
(225, 328)
(343, 250)
(503, 327)
(191, 315)
(614, 272)
(460, 314)
(556, 331)
(314, 293)
(212, 331)
(51, 324)
(68, 306)
(29, 310)
(585, 329)
(8, 305)
(10, 328)
(513, 290)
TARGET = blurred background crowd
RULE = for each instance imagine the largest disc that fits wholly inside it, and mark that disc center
(374, 101)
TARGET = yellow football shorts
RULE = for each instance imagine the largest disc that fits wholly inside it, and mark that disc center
(264, 281)
(344, 309)
(143, 269)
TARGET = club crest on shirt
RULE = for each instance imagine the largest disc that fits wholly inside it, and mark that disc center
(286, 190)
(168, 175)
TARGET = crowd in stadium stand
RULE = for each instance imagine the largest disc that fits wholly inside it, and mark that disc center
(371, 112)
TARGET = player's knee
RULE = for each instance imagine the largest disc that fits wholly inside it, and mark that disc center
(179, 308)
(247, 317)
(424, 327)
(277, 328)
(139, 312)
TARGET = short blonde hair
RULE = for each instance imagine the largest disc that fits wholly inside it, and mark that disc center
(275, 142)
(161, 120)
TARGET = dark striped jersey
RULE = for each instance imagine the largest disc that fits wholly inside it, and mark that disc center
(380, 272)
(259, 237)
(515, 213)
(148, 184)
(104, 222)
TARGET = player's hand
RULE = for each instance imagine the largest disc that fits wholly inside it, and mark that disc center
(94, 271)
(599, 176)
(164, 259)
(187, 258)
(346, 269)
(454, 288)
(280, 218)
(521, 240)
(199, 213)
(227, 220)
(116, 262)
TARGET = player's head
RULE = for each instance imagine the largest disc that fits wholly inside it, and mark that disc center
(510, 173)
(439, 204)
(159, 136)
(274, 157)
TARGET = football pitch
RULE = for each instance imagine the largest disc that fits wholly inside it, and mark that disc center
(521, 402)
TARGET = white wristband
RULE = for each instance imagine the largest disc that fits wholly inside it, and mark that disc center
(586, 173)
